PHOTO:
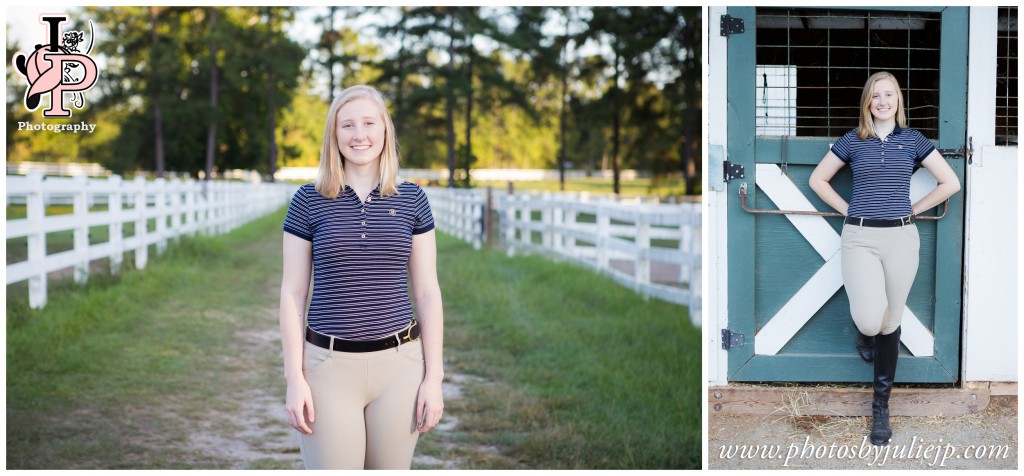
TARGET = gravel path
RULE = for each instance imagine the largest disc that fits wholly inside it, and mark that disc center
(986, 440)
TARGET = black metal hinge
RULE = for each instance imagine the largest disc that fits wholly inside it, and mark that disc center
(732, 171)
(731, 339)
(731, 25)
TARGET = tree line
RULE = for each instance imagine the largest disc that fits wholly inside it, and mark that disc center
(213, 88)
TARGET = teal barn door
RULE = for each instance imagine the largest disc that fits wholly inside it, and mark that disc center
(794, 82)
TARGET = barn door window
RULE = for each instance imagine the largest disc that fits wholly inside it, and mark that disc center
(1006, 77)
(812, 63)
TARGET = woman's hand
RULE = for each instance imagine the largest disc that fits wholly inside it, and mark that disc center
(429, 404)
(299, 399)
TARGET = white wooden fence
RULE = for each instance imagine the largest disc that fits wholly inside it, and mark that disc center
(459, 212)
(652, 248)
(178, 208)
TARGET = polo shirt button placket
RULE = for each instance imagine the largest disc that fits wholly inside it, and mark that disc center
(363, 222)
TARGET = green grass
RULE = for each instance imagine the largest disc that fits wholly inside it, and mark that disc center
(587, 374)
(603, 186)
(118, 373)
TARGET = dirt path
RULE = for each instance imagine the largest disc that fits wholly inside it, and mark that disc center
(986, 440)
(256, 435)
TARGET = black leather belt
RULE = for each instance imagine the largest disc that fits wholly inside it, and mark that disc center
(404, 336)
(902, 221)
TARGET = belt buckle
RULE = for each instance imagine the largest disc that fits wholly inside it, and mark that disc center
(408, 335)
(907, 220)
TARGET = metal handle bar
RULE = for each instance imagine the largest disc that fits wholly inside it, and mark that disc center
(743, 202)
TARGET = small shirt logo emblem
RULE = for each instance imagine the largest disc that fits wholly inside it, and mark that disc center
(391, 212)
(899, 147)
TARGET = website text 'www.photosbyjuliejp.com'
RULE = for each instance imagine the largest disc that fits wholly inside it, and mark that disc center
(932, 453)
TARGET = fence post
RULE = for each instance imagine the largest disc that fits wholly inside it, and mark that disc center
(191, 188)
(695, 283)
(116, 225)
(161, 214)
(569, 222)
(643, 250)
(488, 207)
(81, 211)
(508, 224)
(526, 216)
(603, 228)
(457, 210)
(476, 223)
(141, 251)
(175, 196)
(546, 219)
(203, 207)
(36, 213)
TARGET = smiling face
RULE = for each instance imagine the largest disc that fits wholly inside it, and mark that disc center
(885, 101)
(360, 132)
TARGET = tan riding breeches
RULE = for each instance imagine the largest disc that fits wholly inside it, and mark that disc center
(364, 407)
(879, 266)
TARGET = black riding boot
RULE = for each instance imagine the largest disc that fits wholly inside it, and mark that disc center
(887, 349)
(865, 346)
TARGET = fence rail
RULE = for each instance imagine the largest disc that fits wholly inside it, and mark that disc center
(650, 247)
(177, 207)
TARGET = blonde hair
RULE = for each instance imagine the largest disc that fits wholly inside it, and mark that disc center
(330, 180)
(866, 126)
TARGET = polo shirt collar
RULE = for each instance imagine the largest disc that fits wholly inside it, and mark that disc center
(374, 192)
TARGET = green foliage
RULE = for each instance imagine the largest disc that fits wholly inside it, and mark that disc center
(510, 79)
(301, 131)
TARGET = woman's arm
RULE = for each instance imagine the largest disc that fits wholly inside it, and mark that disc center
(427, 298)
(820, 178)
(948, 183)
(298, 263)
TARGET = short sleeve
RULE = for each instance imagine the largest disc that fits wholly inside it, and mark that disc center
(842, 148)
(424, 221)
(296, 221)
(922, 146)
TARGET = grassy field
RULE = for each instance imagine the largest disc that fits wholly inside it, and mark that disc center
(121, 373)
(580, 372)
(575, 371)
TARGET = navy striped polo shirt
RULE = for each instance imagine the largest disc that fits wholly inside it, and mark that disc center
(360, 257)
(882, 170)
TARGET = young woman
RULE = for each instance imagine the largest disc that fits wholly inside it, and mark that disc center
(880, 244)
(363, 375)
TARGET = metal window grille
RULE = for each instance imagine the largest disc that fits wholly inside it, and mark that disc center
(1006, 77)
(832, 53)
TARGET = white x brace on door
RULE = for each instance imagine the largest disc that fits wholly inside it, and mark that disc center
(828, 279)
